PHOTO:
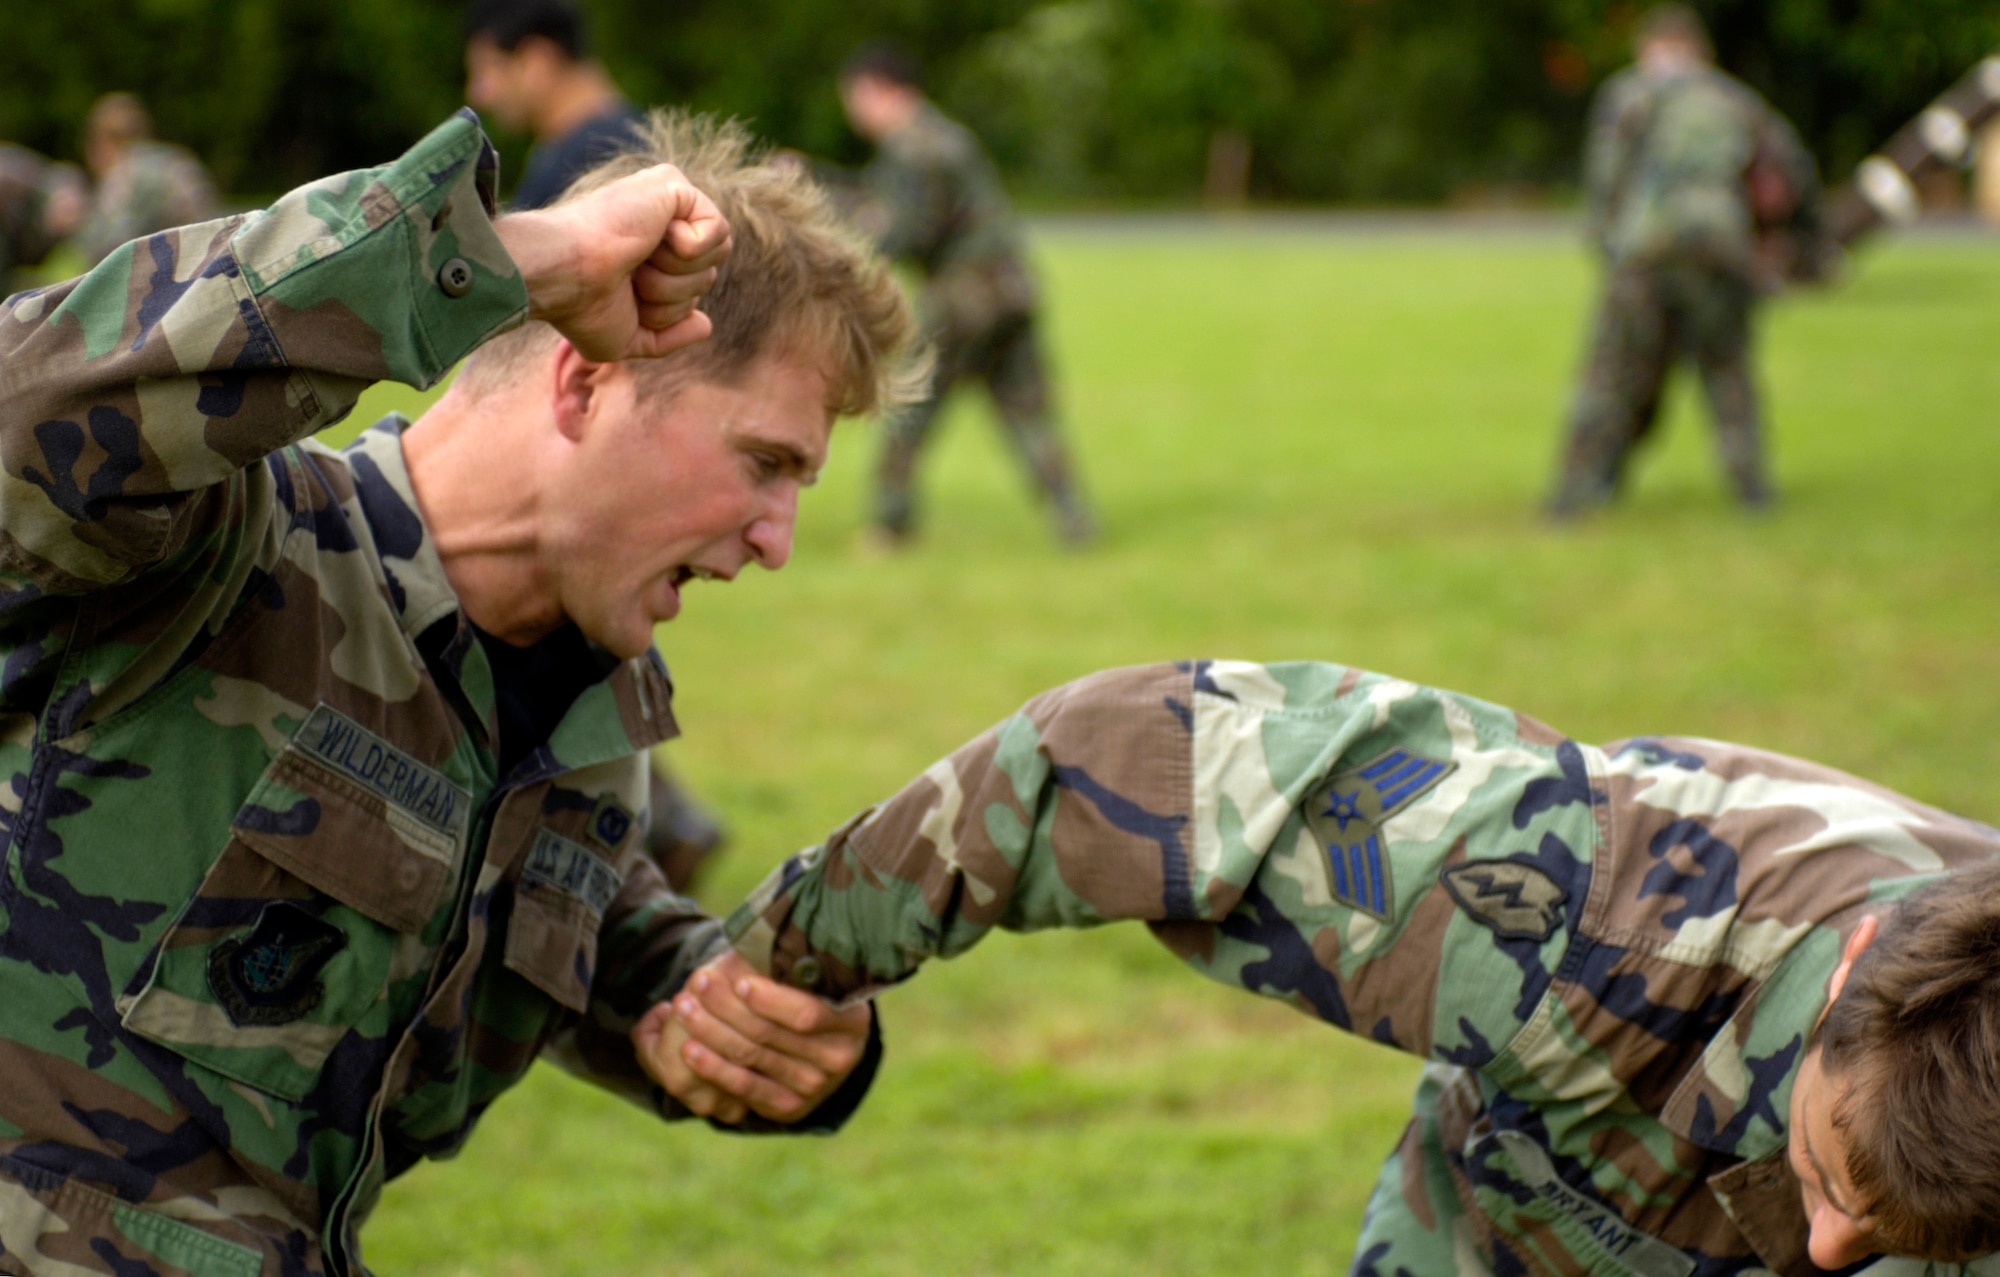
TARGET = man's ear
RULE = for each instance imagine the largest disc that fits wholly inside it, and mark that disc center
(576, 390)
(1862, 936)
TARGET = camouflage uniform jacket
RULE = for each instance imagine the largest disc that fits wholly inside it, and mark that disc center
(1619, 951)
(1671, 163)
(271, 926)
(157, 185)
(936, 202)
(26, 181)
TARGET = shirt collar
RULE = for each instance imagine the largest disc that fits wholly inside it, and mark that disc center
(410, 563)
(637, 695)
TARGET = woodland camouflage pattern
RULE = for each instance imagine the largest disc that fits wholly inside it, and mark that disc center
(1684, 175)
(935, 200)
(271, 927)
(1612, 956)
(1666, 166)
(156, 185)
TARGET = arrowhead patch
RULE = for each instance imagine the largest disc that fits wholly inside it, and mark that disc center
(1346, 813)
(1512, 899)
(271, 976)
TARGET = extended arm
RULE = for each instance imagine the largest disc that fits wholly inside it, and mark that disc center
(1346, 842)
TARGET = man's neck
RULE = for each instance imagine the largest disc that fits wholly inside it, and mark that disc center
(581, 95)
(474, 479)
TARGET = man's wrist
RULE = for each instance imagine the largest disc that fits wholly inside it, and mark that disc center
(545, 255)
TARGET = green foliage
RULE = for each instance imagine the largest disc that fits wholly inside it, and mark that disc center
(1306, 443)
(1093, 99)
(269, 92)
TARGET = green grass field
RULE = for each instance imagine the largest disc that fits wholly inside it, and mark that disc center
(1303, 444)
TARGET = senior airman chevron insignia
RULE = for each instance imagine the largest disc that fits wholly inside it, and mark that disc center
(1347, 812)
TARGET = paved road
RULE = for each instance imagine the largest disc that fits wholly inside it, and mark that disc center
(1364, 223)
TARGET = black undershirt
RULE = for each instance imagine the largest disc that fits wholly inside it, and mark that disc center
(533, 687)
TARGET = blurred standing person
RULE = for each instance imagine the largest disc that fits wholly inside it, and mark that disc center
(1683, 167)
(528, 65)
(143, 184)
(40, 204)
(934, 200)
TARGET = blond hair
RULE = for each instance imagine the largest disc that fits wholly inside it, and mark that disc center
(798, 281)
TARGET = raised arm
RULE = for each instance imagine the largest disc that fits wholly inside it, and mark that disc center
(1308, 832)
(188, 355)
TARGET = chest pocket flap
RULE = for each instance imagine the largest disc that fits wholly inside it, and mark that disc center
(564, 891)
(321, 906)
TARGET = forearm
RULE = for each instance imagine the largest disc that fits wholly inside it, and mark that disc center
(1283, 828)
(192, 353)
(1144, 794)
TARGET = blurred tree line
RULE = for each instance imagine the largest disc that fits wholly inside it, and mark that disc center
(1080, 99)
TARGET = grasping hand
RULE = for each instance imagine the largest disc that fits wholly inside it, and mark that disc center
(735, 1040)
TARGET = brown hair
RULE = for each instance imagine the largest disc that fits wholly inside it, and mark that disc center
(1915, 1034)
(798, 280)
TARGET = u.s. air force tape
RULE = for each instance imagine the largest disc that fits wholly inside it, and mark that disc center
(574, 870)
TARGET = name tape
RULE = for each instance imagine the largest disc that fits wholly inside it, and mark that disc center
(404, 783)
(1637, 1252)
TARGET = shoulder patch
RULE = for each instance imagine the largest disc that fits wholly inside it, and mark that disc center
(1346, 812)
(271, 976)
(1512, 899)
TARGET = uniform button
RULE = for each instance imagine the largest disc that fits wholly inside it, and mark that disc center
(455, 278)
(805, 973)
(409, 876)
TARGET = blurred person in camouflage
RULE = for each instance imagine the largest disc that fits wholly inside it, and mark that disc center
(527, 65)
(1690, 1008)
(40, 204)
(142, 184)
(327, 767)
(931, 197)
(1684, 167)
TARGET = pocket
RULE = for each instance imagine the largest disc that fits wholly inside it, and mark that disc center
(559, 904)
(326, 890)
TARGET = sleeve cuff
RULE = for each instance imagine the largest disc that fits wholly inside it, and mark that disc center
(329, 247)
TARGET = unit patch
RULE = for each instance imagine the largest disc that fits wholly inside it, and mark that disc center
(574, 870)
(1512, 899)
(271, 976)
(1346, 813)
(609, 824)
